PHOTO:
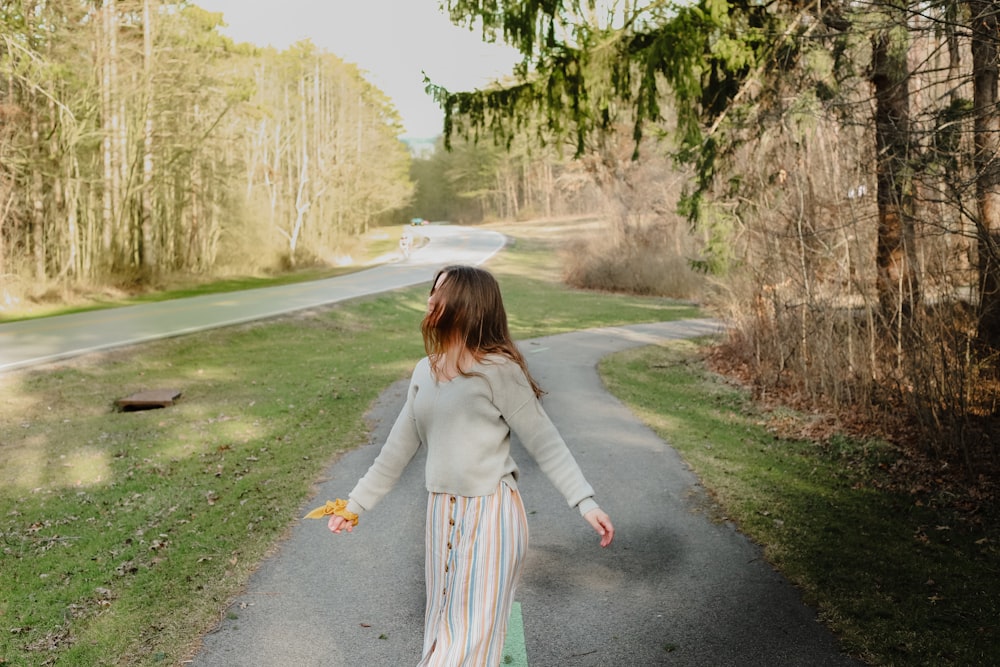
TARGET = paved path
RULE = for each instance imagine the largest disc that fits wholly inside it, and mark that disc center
(674, 588)
(32, 342)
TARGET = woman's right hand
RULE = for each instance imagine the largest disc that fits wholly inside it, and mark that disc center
(337, 523)
(601, 523)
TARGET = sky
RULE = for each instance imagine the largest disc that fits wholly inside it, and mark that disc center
(392, 41)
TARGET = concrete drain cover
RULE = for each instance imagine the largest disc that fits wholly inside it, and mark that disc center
(148, 400)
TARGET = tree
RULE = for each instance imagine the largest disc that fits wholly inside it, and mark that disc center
(897, 280)
(985, 29)
(147, 252)
(584, 75)
(783, 112)
(322, 148)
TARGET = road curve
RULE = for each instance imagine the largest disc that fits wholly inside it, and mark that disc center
(38, 341)
(675, 588)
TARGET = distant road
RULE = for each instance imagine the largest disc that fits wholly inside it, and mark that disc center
(32, 342)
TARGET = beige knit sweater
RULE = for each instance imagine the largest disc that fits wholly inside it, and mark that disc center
(466, 424)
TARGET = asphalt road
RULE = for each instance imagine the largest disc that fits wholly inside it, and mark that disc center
(33, 342)
(675, 588)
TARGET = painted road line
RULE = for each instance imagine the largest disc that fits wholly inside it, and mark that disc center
(514, 653)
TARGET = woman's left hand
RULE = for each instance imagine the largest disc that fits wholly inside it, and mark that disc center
(336, 523)
(601, 522)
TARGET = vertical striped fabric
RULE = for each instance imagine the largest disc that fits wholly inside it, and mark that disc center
(475, 551)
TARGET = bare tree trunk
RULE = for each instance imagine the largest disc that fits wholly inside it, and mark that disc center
(8, 198)
(91, 236)
(37, 202)
(302, 195)
(123, 255)
(8, 187)
(104, 58)
(210, 242)
(985, 33)
(148, 254)
(191, 247)
(897, 279)
(547, 187)
(272, 172)
(359, 157)
(72, 211)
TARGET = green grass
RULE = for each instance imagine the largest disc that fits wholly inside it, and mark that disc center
(903, 581)
(124, 535)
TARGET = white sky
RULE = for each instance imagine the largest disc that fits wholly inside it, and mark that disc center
(392, 41)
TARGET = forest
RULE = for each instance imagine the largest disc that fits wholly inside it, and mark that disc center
(822, 174)
(841, 186)
(139, 142)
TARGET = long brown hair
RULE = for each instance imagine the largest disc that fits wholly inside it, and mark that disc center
(469, 312)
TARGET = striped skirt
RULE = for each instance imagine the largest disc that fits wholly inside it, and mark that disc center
(475, 552)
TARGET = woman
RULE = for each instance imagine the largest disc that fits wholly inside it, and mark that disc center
(464, 400)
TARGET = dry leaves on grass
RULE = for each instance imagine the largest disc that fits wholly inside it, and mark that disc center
(930, 480)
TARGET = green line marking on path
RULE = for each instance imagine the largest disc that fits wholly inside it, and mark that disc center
(514, 653)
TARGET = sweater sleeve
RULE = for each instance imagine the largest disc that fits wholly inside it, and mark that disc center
(539, 436)
(528, 420)
(399, 448)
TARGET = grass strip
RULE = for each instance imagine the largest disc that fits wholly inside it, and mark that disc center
(903, 581)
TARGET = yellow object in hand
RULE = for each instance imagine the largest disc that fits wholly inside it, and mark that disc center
(338, 507)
